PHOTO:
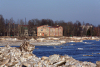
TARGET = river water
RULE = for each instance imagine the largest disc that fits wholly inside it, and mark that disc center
(88, 50)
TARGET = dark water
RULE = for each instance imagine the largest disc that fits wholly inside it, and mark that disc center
(76, 50)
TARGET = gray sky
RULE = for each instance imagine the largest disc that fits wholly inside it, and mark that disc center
(67, 10)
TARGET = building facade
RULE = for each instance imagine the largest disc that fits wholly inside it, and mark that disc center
(23, 30)
(46, 30)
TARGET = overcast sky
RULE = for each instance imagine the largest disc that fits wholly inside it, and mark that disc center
(67, 10)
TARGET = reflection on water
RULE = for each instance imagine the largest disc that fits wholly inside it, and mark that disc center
(88, 50)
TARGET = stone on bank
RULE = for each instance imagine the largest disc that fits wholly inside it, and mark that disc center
(23, 57)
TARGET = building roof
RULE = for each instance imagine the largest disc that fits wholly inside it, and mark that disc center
(55, 26)
(51, 26)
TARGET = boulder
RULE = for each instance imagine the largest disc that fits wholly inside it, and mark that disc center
(60, 63)
(26, 64)
(27, 47)
(23, 57)
(44, 58)
(3, 62)
(41, 39)
(98, 63)
(53, 58)
(32, 39)
(55, 38)
(28, 56)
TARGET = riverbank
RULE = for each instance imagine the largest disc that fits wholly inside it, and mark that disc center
(44, 41)
(23, 57)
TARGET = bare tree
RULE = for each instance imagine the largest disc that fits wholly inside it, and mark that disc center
(2, 25)
(21, 28)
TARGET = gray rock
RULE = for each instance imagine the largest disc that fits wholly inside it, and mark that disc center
(27, 47)
(53, 59)
(16, 57)
(3, 62)
(98, 63)
(60, 63)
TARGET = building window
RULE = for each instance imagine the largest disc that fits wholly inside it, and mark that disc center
(51, 30)
(47, 29)
(56, 33)
(40, 33)
(41, 29)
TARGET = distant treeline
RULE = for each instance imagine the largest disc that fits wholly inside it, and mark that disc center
(9, 26)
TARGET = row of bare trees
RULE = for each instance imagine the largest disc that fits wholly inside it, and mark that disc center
(10, 27)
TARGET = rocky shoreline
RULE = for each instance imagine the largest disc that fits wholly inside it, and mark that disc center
(44, 41)
(23, 57)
